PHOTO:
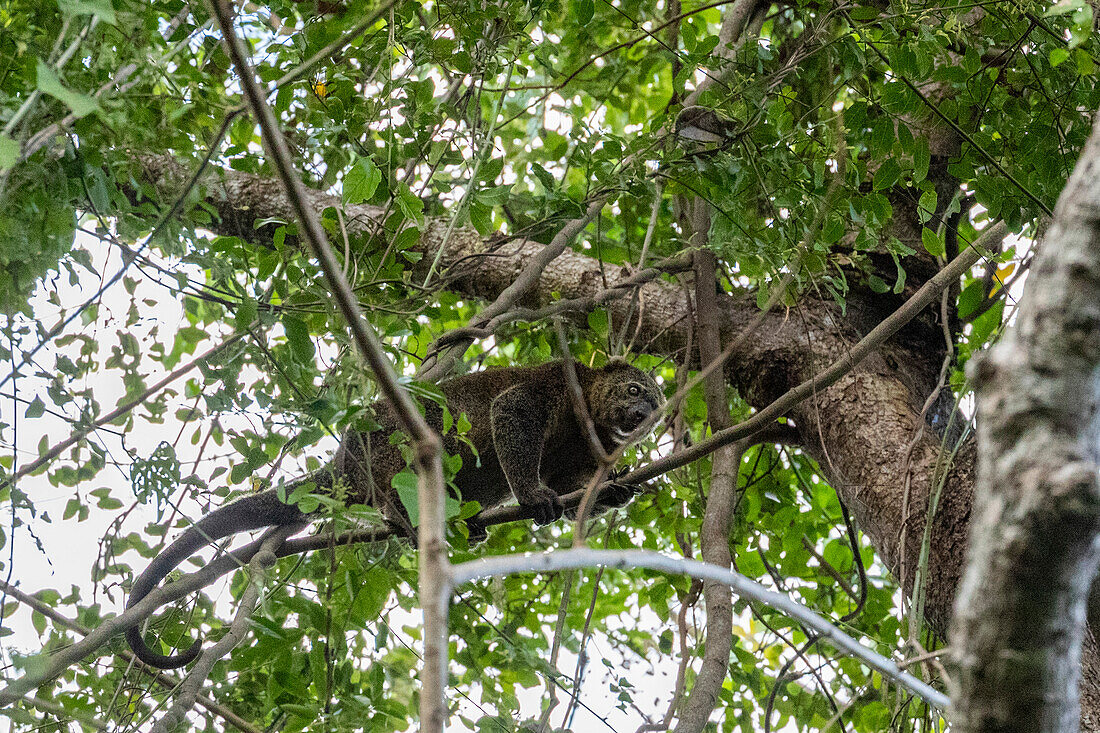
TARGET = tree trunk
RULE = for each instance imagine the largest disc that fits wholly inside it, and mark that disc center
(1021, 614)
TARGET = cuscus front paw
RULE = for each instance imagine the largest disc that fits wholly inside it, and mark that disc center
(616, 494)
(544, 505)
(476, 531)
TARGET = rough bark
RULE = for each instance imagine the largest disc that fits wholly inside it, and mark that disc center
(1020, 620)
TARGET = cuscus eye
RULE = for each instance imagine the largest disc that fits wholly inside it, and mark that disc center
(633, 390)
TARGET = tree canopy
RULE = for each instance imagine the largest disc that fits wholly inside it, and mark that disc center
(767, 182)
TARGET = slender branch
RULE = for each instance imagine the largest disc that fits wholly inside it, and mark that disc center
(744, 587)
(119, 79)
(163, 679)
(306, 66)
(434, 587)
(576, 396)
(257, 570)
(718, 514)
(116, 413)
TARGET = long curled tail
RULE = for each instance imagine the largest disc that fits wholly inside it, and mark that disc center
(252, 512)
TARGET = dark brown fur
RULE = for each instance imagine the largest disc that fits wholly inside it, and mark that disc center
(529, 445)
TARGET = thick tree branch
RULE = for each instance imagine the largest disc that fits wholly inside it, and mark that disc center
(1021, 613)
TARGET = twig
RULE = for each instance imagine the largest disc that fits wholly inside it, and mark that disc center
(131, 255)
(576, 396)
(555, 649)
(955, 126)
(681, 669)
(582, 655)
(744, 587)
(257, 570)
(162, 678)
(434, 583)
(120, 78)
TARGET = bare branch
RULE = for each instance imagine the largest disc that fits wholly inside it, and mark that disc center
(162, 678)
(744, 587)
(434, 588)
(257, 570)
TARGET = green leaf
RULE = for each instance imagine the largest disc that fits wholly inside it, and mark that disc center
(49, 83)
(361, 181)
(1058, 55)
(297, 335)
(933, 243)
(970, 298)
(39, 622)
(984, 325)
(246, 313)
(927, 205)
(404, 484)
(544, 177)
(887, 174)
(597, 321)
(36, 408)
(833, 230)
(101, 9)
(921, 159)
(583, 10)
(408, 203)
(1085, 65)
(9, 152)
(865, 12)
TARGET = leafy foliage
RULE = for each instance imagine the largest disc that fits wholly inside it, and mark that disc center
(508, 117)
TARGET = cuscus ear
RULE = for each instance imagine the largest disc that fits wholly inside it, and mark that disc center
(618, 362)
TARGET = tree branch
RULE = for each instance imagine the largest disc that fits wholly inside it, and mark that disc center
(1019, 620)
(748, 589)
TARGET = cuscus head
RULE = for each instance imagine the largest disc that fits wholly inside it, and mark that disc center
(622, 397)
